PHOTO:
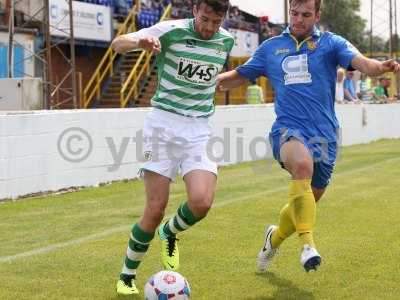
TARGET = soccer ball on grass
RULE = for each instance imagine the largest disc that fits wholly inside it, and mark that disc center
(167, 285)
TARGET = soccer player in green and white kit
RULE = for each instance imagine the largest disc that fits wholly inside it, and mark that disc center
(190, 54)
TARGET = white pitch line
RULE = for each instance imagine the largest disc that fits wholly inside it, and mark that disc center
(120, 229)
(53, 247)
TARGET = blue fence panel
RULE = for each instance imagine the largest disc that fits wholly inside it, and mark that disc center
(19, 63)
(3, 61)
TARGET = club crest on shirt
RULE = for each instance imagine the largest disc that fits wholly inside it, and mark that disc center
(148, 155)
(220, 50)
(311, 45)
(190, 43)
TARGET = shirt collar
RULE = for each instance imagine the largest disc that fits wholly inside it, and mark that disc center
(316, 32)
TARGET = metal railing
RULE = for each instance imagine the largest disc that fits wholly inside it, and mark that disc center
(130, 87)
(105, 67)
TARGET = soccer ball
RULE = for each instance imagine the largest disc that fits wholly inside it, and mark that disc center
(167, 285)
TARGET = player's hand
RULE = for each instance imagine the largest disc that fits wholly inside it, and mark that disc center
(390, 66)
(150, 44)
(220, 84)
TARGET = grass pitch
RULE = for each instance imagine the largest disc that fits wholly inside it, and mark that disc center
(71, 246)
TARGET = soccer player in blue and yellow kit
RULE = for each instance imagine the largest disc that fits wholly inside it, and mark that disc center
(301, 65)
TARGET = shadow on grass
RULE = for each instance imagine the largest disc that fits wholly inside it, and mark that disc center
(285, 289)
(131, 297)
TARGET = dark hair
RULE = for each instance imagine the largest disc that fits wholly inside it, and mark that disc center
(318, 3)
(218, 6)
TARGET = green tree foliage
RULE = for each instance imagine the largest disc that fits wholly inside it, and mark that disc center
(395, 43)
(340, 16)
(378, 44)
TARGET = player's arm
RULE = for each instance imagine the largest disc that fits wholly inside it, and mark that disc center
(128, 42)
(348, 55)
(373, 67)
(230, 80)
(150, 39)
(252, 69)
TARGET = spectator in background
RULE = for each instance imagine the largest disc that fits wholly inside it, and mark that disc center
(264, 32)
(121, 9)
(349, 88)
(275, 30)
(364, 85)
(386, 85)
(182, 9)
(269, 30)
(175, 13)
(235, 15)
(236, 19)
(379, 91)
(232, 20)
(254, 94)
(145, 4)
(339, 93)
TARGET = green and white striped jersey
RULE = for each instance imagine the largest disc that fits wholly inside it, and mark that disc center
(187, 67)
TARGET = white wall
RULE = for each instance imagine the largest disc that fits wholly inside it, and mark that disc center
(21, 94)
(31, 162)
(363, 124)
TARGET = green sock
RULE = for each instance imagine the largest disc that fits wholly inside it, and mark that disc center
(181, 221)
(138, 244)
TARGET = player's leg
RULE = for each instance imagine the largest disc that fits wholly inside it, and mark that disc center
(200, 187)
(286, 226)
(298, 160)
(274, 236)
(299, 214)
(324, 165)
(318, 193)
(157, 193)
(299, 163)
(158, 171)
(324, 156)
(200, 176)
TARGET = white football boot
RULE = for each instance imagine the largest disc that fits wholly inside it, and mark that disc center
(310, 258)
(267, 253)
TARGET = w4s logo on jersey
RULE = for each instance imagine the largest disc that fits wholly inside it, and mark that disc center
(196, 71)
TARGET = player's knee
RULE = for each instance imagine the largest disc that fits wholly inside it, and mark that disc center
(303, 169)
(201, 204)
(155, 211)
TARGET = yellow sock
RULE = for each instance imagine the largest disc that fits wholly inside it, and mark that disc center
(286, 227)
(303, 208)
(307, 239)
